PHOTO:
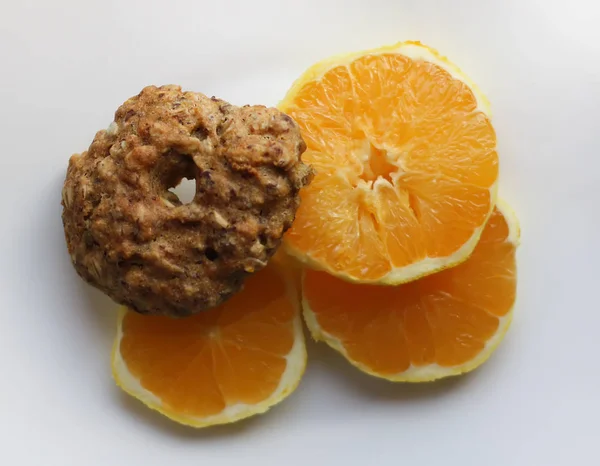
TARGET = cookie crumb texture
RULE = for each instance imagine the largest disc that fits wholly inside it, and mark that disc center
(132, 238)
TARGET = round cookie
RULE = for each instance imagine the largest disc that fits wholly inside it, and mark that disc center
(132, 238)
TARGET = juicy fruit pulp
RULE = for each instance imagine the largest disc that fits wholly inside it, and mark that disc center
(219, 365)
(406, 166)
(440, 325)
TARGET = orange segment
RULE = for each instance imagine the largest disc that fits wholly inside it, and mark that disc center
(444, 324)
(406, 164)
(220, 365)
(448, 211)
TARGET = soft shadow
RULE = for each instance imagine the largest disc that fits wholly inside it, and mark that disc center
(68, 294)
(53, 263)
(101, 310)
(373, 388)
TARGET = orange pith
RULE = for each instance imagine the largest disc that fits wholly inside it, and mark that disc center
(445, 319)
(234, 354)
(406, 168)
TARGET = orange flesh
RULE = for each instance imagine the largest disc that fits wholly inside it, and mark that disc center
(232, 354)
(445, 318)
(404, 161)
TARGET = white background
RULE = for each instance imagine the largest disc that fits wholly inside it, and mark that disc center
(65, 66)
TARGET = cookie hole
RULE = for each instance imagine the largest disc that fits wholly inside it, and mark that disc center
(211, 254)
(200, 133)
(185, 191)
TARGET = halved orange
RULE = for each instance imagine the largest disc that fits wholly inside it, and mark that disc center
(441, 325)
(406, 163)
(221, 365)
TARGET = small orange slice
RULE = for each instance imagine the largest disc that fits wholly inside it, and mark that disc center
(445, 324)
(406, 163)
(218, 366)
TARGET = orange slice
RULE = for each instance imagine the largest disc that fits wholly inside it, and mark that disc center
(406, 165)
(218, 366)
(445, 324)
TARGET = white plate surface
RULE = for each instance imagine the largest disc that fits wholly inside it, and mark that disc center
(65, 66)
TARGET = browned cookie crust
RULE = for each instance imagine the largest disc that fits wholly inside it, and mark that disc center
(133, 239)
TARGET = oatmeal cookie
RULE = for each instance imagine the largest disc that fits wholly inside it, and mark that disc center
(132, 238)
